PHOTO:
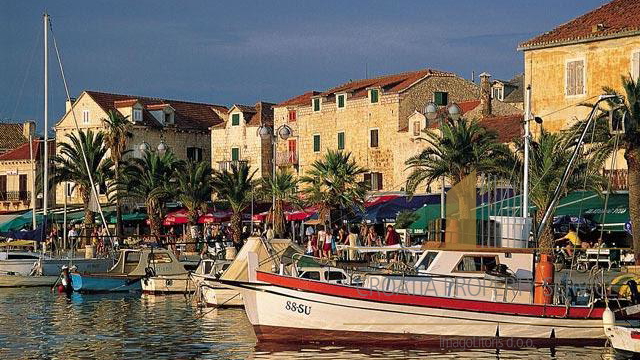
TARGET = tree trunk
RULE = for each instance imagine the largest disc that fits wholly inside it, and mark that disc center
(546, 241)
(278, 219)
(89, 217)
(632, 155)
(236, 227)
(119, 229)
(154, 219)
(191, 242)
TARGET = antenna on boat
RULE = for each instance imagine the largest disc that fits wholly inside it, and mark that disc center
(45, 201)
(567, 170)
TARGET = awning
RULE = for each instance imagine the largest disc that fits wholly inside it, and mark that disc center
(389, 210)
(590, 205)
(425, 214)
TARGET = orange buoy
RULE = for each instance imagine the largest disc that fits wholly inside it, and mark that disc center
(543, 291)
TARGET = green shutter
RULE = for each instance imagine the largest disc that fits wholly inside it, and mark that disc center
(340, 101)
(316, 104)
(235, 119)
(316, 143)
(440, 98)
(235, 154)
(340, 141)
(374, 96)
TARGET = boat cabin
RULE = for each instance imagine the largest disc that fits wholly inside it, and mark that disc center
(134, 262)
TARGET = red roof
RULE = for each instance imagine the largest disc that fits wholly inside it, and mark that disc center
(22, 152)
(617, 18)
(509, 128)
(188, 115)
(359, 88)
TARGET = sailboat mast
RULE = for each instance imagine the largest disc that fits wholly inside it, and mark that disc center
(45, 202)
(527, 140)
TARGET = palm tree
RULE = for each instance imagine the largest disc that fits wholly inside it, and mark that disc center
(548, 157)
(334, 183)
(118, 132)
(70, 166)
(235, 187)
(456, 150)
(194, 191)
(281, 189)
(150, 180)
(629, 141)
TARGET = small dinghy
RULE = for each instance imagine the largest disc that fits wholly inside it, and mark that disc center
(622, 336)
(127, 274)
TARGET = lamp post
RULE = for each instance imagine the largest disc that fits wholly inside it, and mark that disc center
(431, 113)
(265, 132)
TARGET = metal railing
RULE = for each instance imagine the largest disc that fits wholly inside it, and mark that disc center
(226, 165)
(15, 196)
(285, 158)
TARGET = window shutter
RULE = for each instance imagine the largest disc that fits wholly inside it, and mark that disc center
(235, 154)
(379, 184)
(367, 180)
(235, 119)
(340, 101)
(316, 104)
(579, 77)
(416, 128)
(374, 95)
(569, 78)
(316, 143)
(340, 141)
(373, 141)
(635, 66)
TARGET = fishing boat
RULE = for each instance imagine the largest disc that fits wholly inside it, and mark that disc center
(269, 254)
(167, 275)
(126, 275)
(622, 337)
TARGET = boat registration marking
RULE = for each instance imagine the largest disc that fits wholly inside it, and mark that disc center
(297, 307)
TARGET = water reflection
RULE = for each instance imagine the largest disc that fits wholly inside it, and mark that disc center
(36, 324)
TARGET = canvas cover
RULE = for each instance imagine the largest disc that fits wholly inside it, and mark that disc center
(283, 248)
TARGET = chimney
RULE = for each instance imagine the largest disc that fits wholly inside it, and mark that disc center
(68, 105)
(485, 94)
(28, 129)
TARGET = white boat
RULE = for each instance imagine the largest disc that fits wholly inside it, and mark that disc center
(168, 275)
(214, 293)
(26, 280)
(622, 338)
(290, 309)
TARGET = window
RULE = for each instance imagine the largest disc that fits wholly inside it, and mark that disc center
(341, 140)
(373, 138)
(316, 104)
(441, 98)
(334, 275)
(235, 119)
(293, 152)
(311, 275)
(70, 187)
(341, 99)
(132, 257)
(85, 117)
(416, 128)
(427, 260)
(167, 118)
(235, 154)
(22, 184)
(635, 65)
(575, 77)
(194, 153)
(159, 258)
(316, 143)
(3, 187)
(497, 93)
(476, 263)
(373, 95)
(137, 115)
(102, 188)
(373, 179)
(292, 115)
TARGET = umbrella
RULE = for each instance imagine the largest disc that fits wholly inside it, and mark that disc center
(175, 218)
(215, 217)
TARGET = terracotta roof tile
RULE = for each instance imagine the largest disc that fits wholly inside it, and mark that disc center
(618, 17)
(509, 128)
(359, 88)
(22, 152)
(188, 115)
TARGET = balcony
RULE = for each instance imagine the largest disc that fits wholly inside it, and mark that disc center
(226, 165)
(286, 158)
(618, 178)
(13, 196)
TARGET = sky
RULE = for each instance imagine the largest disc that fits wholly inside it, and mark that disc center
(240, 52)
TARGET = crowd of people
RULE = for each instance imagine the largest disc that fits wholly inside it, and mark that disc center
(323, 241)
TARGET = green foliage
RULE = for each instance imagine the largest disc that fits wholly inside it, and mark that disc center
(235, 187)
(406, 218)
(283, 189)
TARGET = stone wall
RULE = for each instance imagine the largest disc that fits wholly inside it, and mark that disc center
(13, 169)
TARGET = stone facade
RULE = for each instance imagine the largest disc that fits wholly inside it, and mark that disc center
(394, 117)
(243, 136)
(18, 169)
(182, 126)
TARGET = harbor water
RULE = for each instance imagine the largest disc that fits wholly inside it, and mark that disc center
(38, 324)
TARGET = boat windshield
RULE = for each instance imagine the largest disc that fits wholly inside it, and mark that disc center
(476, 263)
(427, 260)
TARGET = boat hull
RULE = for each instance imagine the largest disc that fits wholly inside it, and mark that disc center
(26, 281)
(104, 283)
(303, 311)
(53, 267)
(168, 284)
(218, 295)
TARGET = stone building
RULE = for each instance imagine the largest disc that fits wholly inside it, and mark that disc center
(573, 62)
(509, 91)
(13, 135)
(377, 120)
(236, 139)
(182, 126)
(18, 169)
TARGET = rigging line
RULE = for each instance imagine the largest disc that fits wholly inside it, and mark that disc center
(614, 161)
(26, 74)
(568, 106)
(75, 120)
(584, 184)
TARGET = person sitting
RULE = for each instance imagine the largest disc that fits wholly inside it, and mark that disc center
(573, 238)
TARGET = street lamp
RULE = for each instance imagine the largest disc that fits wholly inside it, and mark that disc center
(265, 132)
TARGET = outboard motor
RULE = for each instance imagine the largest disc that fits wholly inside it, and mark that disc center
(65, 285)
